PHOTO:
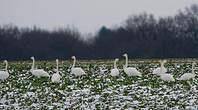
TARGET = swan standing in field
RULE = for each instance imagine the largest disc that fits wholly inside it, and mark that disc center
(160, 69)
(166, 77)
(115, 71)
(130, 71)
(38, 72)
(4, 74)
(188, 76)
(76, 71)
(56, 77)
(162, 73)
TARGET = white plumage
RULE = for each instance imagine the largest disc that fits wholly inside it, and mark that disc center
(4, 74)
(76, 71)
(167, 77)
(130, 71)
(160, 69)
(115, 71)
(188, 76)
(38, 72)
(56, 77)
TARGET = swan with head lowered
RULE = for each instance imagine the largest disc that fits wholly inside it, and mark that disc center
(56, 77)
(160, 69)
(130, 71)
(38, 72)
(188, 76)
(4, 74)
(76, 71)
(115, 71)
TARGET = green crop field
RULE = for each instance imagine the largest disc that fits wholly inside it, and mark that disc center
(98, 89)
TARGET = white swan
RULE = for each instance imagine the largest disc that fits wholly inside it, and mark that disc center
(56, 77)
(38, 72)
(160, 69)
(188, 76)
(130, 71)
(76, 71)
(115, 71)
(163, 75)
(166, 77)
(4, 74)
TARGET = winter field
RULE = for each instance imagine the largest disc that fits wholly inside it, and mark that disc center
(98, 89)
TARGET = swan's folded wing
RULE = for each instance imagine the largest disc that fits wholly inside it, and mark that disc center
(187, 76)
(114, 72)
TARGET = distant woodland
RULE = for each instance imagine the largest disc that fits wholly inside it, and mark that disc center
(141, 36)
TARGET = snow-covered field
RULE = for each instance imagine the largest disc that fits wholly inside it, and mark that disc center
(98, 89)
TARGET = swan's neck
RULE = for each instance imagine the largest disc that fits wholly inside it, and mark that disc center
(33, 64)
(193, 65)
(126, 65)
(115, 66)
(162, 65)
(74, 63)
(57, 67)
(6, 67)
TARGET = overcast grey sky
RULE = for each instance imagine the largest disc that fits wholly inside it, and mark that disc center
(86, 15)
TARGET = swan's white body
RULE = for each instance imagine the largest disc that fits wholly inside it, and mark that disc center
(167, 77)
(56, 77)
(115, 71)
(130, 71)
(162, 73)
(188, 76)
(76, 71)
(4, 74)
(38, 72)
(160, 69)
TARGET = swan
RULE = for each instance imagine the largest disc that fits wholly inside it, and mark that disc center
(163, 75)
(160, 69)
(188, 76)
(38, 72)
(56, 77)
(4, 74)
(130, 71)
(76, 71)
(115, 71)
(166, 77)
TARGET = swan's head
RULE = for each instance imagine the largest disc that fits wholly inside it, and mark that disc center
(32, 58)
(73, 57)
(5, 61)
(164, 61)
(56, 60)
(116, 59)
(124, 55)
